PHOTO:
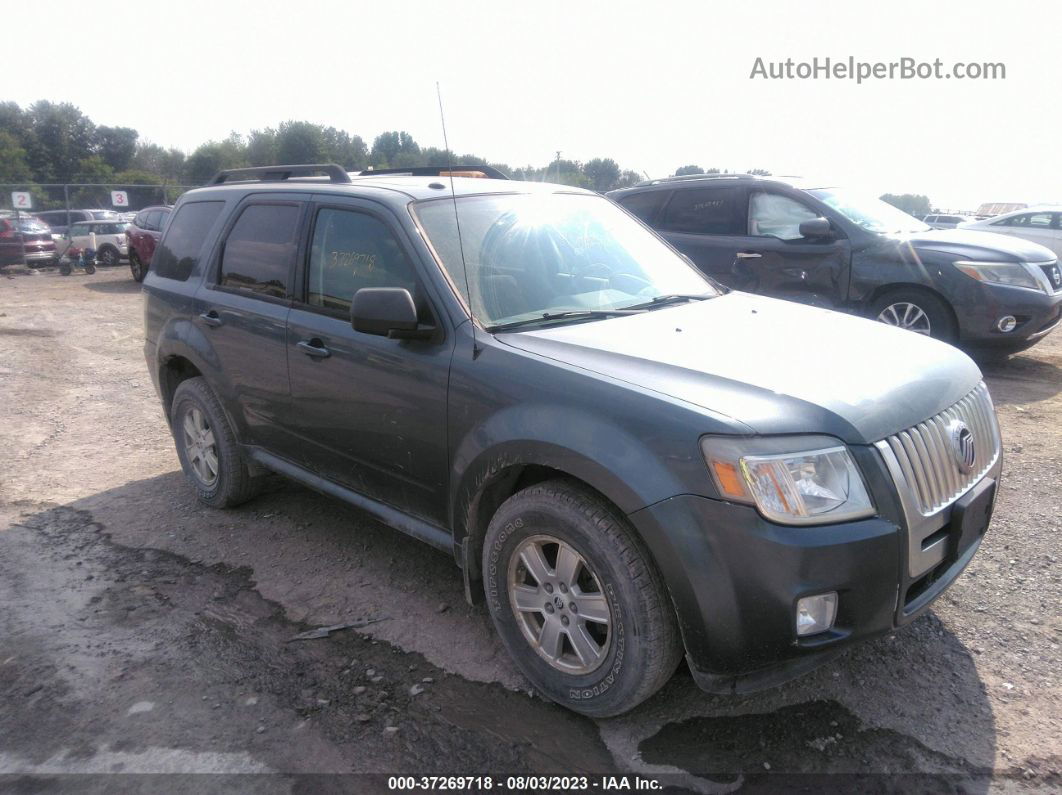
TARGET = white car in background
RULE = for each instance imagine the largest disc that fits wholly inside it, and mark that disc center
(936, 221)
(110, 241)
(1041, 225)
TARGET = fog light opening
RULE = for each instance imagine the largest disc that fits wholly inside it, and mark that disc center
(1007, 323)
(815, 614)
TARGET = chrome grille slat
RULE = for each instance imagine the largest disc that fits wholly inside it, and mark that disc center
(926, 458)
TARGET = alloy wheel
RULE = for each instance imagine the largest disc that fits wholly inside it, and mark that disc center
(559, 605)
(200, 447)
(906, 316)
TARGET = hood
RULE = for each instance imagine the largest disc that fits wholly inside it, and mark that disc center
(773, 366)
(975, 245)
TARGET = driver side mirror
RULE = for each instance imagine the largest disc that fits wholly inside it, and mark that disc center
(386, 312)
(816, 228)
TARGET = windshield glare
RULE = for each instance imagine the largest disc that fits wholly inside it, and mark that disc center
(532, 254)
(872, 214)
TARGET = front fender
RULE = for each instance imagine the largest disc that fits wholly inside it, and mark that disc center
(591, 448)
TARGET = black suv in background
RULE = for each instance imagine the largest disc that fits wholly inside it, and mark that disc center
(833, 248)
(628, 461)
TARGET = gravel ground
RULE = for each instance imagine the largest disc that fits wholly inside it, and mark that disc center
(143, 633)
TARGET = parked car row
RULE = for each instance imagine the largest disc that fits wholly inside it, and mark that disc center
(50, 235)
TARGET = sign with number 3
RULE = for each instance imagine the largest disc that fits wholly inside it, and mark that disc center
(119, 198)
(21, 200)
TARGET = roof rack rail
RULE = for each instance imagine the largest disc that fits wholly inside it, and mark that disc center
(693, 177)
(461, 170)
(335, 173)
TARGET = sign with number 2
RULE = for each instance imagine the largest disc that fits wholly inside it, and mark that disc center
(22, 200)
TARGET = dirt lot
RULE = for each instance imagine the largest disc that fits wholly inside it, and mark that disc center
(143, 633)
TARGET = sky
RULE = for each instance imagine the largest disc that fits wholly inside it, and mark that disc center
(652, 85)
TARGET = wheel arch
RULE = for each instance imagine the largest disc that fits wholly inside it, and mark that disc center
(893, 287)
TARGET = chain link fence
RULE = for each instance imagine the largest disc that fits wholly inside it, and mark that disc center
(88, 196)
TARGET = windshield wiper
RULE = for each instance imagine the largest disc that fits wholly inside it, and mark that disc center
(575, 314)
(673, 298)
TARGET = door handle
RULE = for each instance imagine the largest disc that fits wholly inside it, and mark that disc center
(314, 348)
(211, 318)
(748, 255)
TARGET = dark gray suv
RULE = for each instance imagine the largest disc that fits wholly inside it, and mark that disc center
(629, 461)
(833, 248)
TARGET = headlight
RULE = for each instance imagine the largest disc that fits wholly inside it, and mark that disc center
(818, 486)
(1012, 274)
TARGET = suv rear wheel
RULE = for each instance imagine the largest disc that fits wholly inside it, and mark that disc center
(917, 311)
(207, 448)
(577, 600)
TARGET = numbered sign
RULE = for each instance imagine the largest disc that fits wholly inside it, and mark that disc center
(119, 198)
(21, 200)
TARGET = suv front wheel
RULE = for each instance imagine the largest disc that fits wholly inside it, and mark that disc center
(209, 454)
(577, 600)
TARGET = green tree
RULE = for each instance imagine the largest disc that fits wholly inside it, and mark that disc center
(214, 156)
(910, 203)
(116, 145)
(688, 170)
(61, 137)
(390, 148)
(138, 196)
(13, 164)
(602, 174)
(759, 172)
(299, 142)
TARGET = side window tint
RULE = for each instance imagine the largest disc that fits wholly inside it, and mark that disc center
(182, 246)
(1039, 220)
(352, 250)
(260, 249)
(773, 215)
(151, 221)
(711, 211)
(645, 205)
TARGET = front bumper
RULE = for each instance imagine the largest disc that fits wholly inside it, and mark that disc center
(1037, 313)
(735, 579)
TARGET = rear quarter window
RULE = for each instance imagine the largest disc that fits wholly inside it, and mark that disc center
(180, 249)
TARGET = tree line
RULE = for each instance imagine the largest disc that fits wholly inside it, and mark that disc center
(49, 142)
(56, 143)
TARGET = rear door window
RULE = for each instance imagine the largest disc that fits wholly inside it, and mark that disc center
(259, 252)
(645, 205)
(706, 211)
(181, 248)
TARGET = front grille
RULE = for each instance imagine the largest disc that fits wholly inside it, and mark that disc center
(1053, 271)
(927, 456)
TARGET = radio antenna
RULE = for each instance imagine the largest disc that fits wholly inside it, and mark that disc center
(457, 220)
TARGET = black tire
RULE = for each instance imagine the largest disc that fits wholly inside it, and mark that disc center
(64, 267)
(937, 314)
(233, 483)
(90, 268)
(108, 255)
(643, 645)
(136, 266)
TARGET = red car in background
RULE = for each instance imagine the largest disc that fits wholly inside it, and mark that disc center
(143, 235)
(25, 240)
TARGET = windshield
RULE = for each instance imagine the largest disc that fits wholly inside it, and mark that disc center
(530, 255)
(872, 214)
